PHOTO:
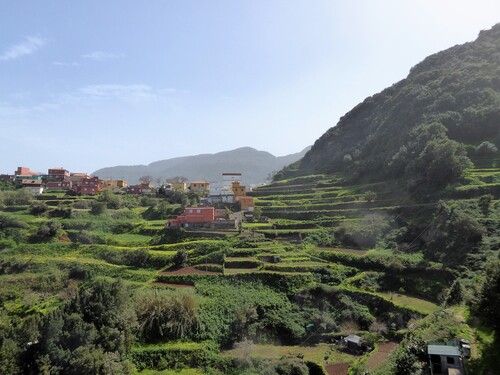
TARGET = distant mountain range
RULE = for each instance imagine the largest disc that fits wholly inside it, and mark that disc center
(255, 166)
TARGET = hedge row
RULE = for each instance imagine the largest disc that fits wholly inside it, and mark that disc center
(380, 263)
(172, 356)
(285, 283)
(210, 267)
(241, 264)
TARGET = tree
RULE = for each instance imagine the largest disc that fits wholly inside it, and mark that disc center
(486, 148)
(180, 258)
(38, 208)
(441, 162)
(112, 200)
(370, 196)
(106, 304)
(146, 179)
(177, 179)
(47, 231)
(97, 208)
(456, 232)
(488, 304)
(455, 294)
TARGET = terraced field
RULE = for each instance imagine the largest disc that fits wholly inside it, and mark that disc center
(291, 251)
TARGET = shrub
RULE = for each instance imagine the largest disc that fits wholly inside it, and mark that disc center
(11, 222)
(486, 148)
(17, 197)
(370, 196)
(47, 231)
(38, 208)
(166, 315)
(61, 211)
(82, 204)
(180, 258)
(97, 208)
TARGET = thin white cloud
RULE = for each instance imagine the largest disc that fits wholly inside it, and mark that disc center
(90, 95)
(30, 45)
(128, 93)
(103, 56)
(61, 63)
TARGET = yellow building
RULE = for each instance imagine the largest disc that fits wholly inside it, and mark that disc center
(109, 184)
(199, 186)
(179, 186)
(238, 190)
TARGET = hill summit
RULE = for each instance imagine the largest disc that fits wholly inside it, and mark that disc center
(256, 166)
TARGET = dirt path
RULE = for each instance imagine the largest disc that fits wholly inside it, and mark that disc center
(383, 352)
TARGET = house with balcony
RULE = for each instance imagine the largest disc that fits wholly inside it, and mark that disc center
(199, 187)
(88, 186)
(142, 188)
(59, 185)
(57, 174)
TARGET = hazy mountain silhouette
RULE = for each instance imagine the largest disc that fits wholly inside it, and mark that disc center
(256, 166)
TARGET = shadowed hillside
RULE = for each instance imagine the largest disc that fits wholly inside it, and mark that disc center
(456, 90)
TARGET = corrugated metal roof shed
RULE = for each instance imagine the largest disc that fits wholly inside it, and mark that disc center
(451, 351)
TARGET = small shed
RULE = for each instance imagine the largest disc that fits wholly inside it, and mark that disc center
(353, 342)
(444, 359)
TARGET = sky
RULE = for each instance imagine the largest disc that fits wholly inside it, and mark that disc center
(92, 84)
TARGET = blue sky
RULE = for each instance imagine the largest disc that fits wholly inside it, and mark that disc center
(90, 84)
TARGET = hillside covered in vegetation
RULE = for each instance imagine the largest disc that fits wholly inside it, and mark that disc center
(387, 231)
(448, 105)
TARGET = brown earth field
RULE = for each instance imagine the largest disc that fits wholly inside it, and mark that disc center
(337, 368)
(189, 271)
(377, 358)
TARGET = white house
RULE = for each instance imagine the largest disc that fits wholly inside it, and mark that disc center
(33, 186)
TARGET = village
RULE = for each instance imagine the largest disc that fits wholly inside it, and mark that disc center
(224, 204)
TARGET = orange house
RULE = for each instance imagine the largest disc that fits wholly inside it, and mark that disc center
(246, 203)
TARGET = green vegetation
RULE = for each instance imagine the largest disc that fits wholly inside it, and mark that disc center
(389, 229)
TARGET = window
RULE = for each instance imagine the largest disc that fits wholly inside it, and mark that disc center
(198, 211)
(450, 360)
(190, 211)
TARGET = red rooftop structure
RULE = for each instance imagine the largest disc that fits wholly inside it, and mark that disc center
(193, 216)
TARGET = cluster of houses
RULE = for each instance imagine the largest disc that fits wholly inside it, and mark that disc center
(213, 212)
(59, 179)
(229, 190)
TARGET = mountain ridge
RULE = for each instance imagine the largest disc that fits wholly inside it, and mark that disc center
(255, 166)
(458, 88)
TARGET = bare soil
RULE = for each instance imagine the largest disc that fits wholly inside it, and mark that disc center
(377, 358)
(337, 368)
(189, 271)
